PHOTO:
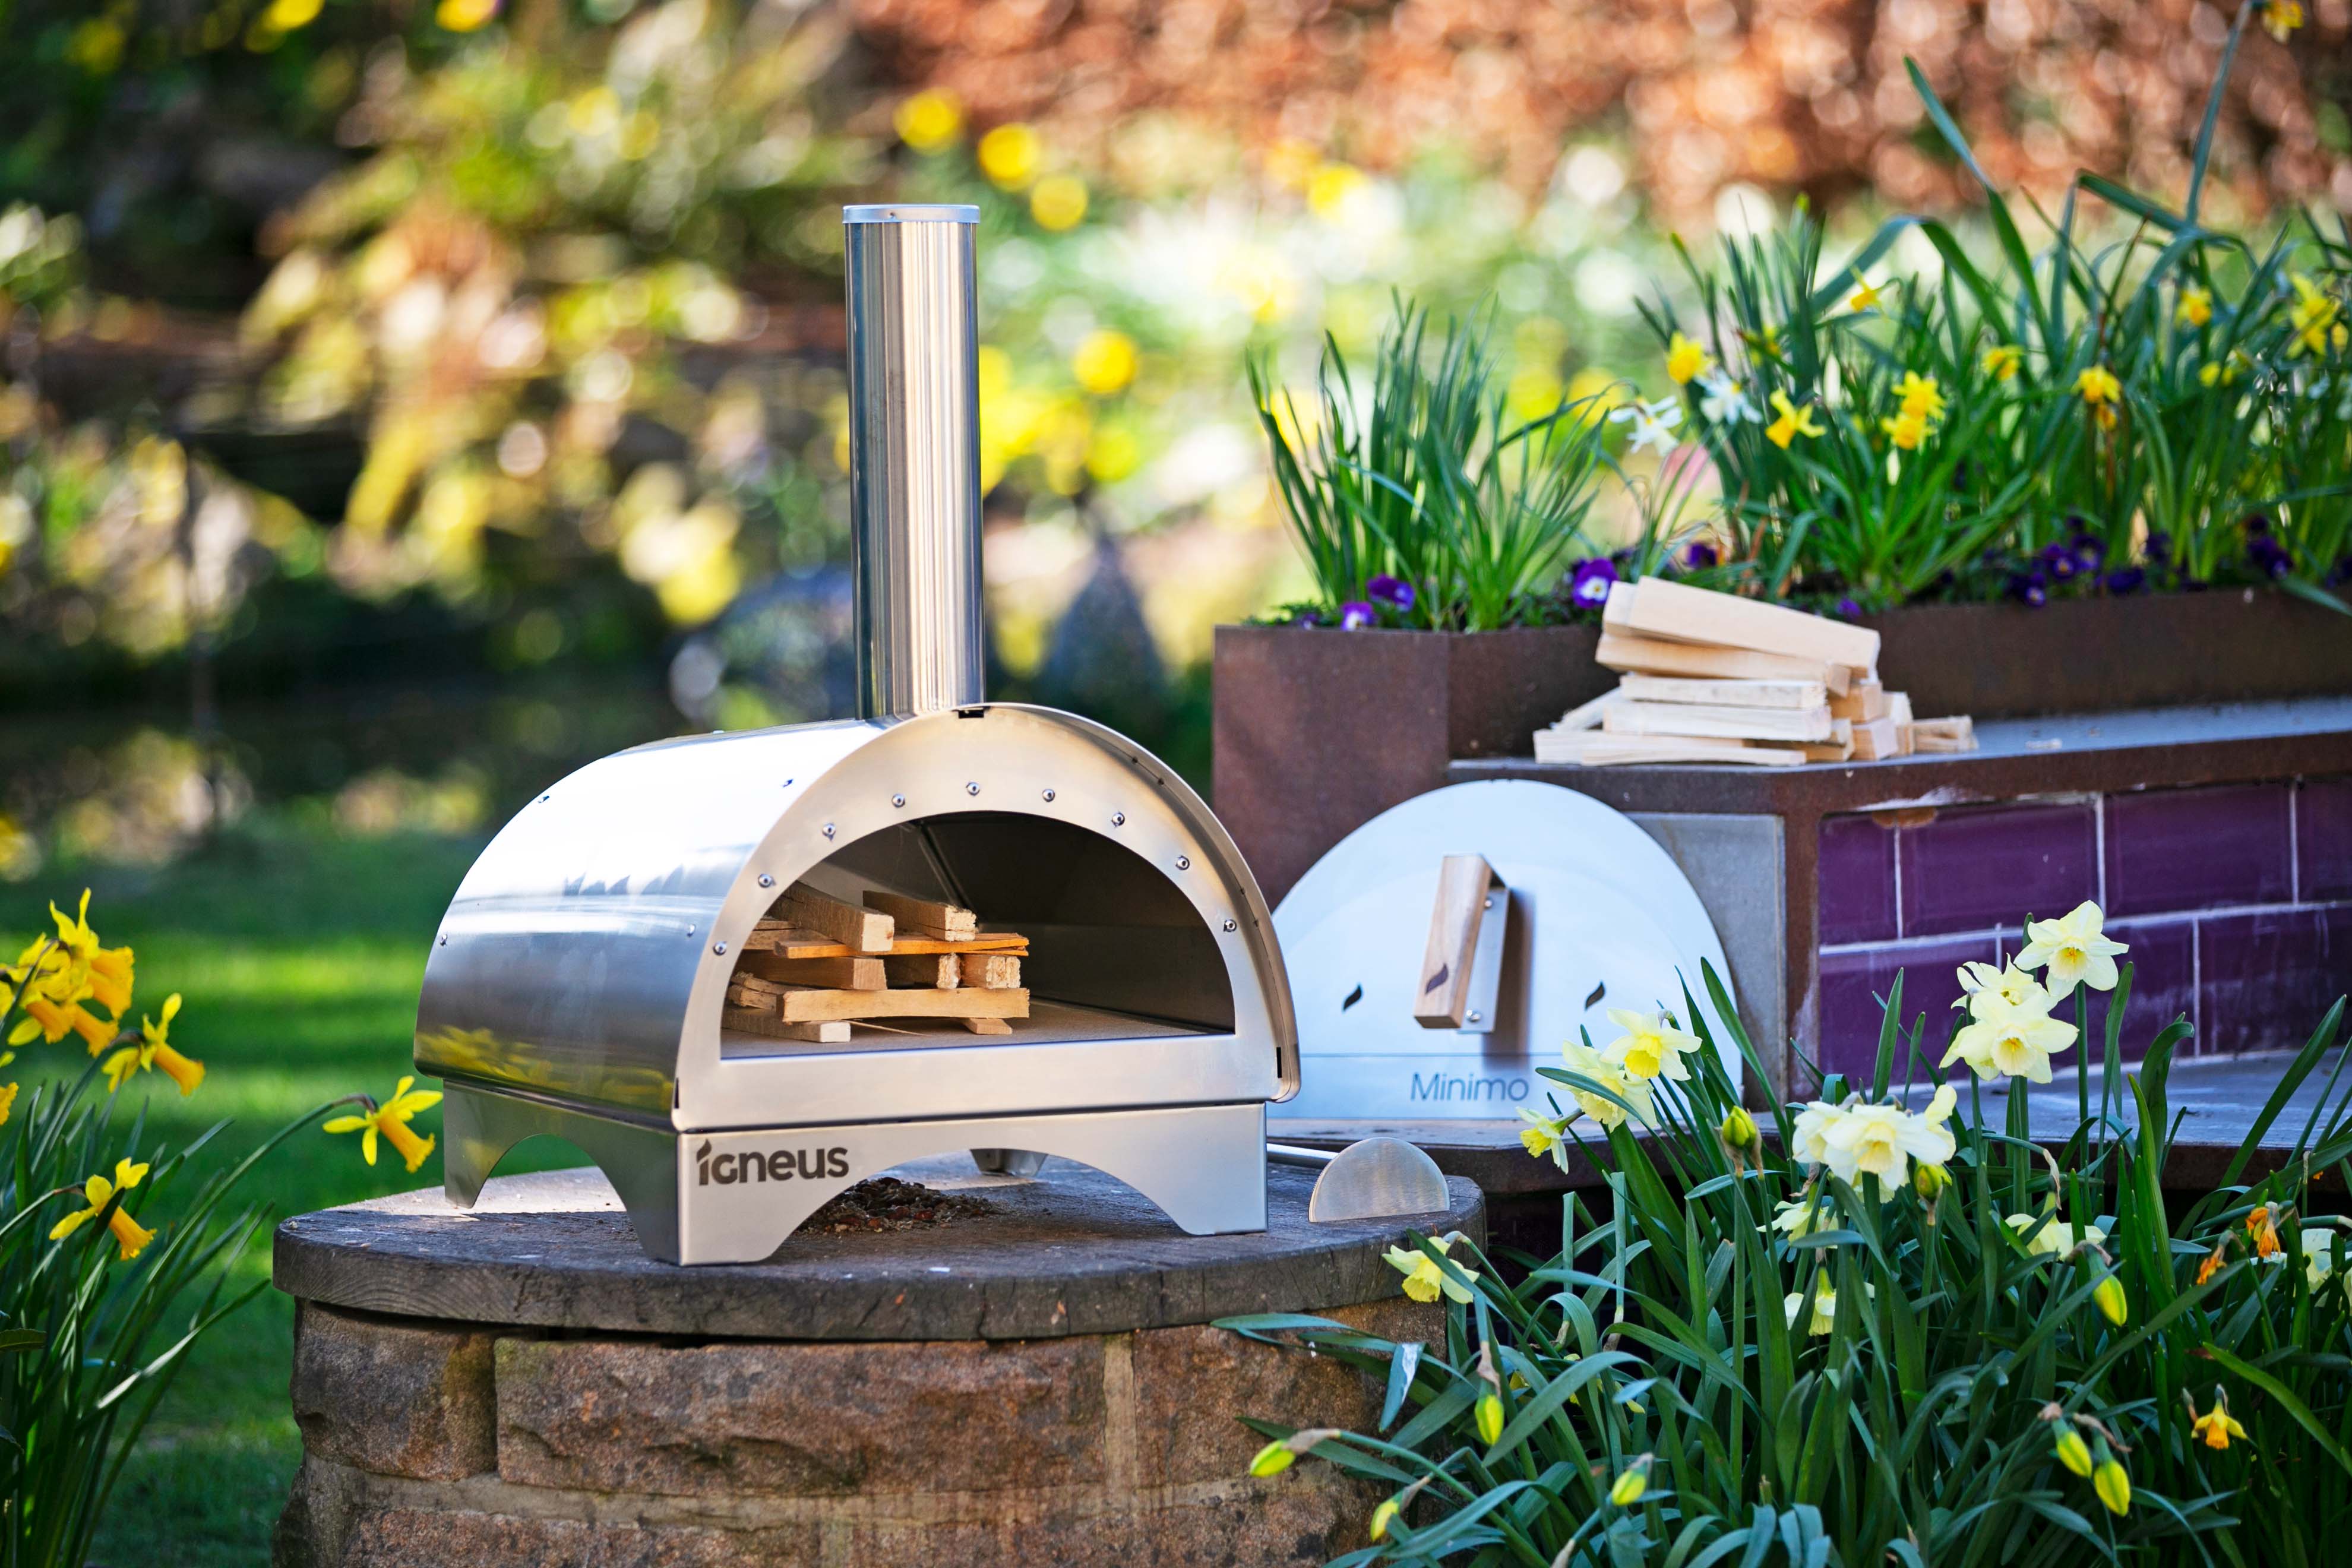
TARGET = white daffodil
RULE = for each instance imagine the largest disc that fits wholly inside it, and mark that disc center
(2009, 1042)
(1825, 1305)
(1883, 1139)
(2053, 1239)
(1805, 1214)
(1654, 424)
(2074, 949)
(2012, 986)
(1609, 1075)
(1651, 1047)
(1726, 400)
(1809, 1139)
(2319, 1258)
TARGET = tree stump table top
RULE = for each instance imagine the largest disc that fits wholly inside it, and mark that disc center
(1069, 1251)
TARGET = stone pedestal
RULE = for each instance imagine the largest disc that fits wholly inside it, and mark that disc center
(1035, 1385)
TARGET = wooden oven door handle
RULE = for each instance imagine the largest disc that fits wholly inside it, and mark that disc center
(1461, 969)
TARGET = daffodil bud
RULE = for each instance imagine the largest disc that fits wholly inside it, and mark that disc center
(1930, 1181)
(2072, 1452)
(2113, 1485)
(1382, 1517)
(1628, 1488)
(1490, 1418)
(2107, 1295)
(1273, 1460)
(1740, 1132)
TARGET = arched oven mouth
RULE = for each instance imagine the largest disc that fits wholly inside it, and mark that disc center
(969, 928)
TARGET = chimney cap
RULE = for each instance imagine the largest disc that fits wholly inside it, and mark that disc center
(910, 212)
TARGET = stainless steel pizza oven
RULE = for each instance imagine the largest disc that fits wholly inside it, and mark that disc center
(655, 959)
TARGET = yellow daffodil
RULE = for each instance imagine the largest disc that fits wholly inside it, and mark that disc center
(2228, 372)
(7, 1102)
(1059, 203)
(1930, 1181)
(2213, 1261)
(2196, 307)
(1764, 343)
(1544, 1136)
(2071, 1451)
(2262, 1225)
(2075, 950)
(1686, 361)
(1824, 1318)
(1652, 1047)
(1382, 1517)
(1907, 431)
(52, 1014)
(2006, 1041)
(1865, 295)
(1609, 1073)
(2107, 1295)
(2311, 316)
(154, 1050)
(110, 969)
(2053, 1239)
(2217, 1426)
(2097, 386)
(1489, 1414)
(1424, 1281)
(1106, 362)
(929, 122)
(1009, 154)
(1920, 395)
(96, 1192)
(2113, 1485)
(465, 15)
(2281, 18)
(2001, 361)
(391, 1119)
(1792, 422)
(1632, 1482)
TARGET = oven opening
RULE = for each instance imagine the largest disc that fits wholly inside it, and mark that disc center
(1077, 937)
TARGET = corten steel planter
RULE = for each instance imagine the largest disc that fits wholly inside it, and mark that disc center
(1319, 730)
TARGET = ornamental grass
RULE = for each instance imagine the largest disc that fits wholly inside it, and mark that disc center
(115, 1251)
(1894, 1328)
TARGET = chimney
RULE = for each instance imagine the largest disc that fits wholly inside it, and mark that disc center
(913, 456)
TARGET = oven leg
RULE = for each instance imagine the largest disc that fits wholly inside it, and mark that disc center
(1009, 1162)
(640, 1161)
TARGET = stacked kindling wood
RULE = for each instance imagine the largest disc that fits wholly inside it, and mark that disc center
(1714, 678)
(817, 964)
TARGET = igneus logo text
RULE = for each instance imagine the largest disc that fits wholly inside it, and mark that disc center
(776, 1165)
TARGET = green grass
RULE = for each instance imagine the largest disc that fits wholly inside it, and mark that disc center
(300, 954)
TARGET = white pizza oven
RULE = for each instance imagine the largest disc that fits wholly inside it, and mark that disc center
(585, 981)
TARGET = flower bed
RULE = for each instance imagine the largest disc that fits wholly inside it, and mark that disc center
(1899, 1332)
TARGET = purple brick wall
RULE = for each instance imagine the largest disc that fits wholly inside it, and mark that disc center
(2236, 901)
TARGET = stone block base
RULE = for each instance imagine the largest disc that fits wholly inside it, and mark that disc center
(446, 1445)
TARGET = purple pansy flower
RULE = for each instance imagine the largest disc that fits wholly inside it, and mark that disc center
(2029, 589)
(1850, 609)
(2269, 557)
(1390, 591)
(1699, 556)
(2126, 582)
(1588, 587)
(2057, 563)
(2088, 552)
(1356, 615)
